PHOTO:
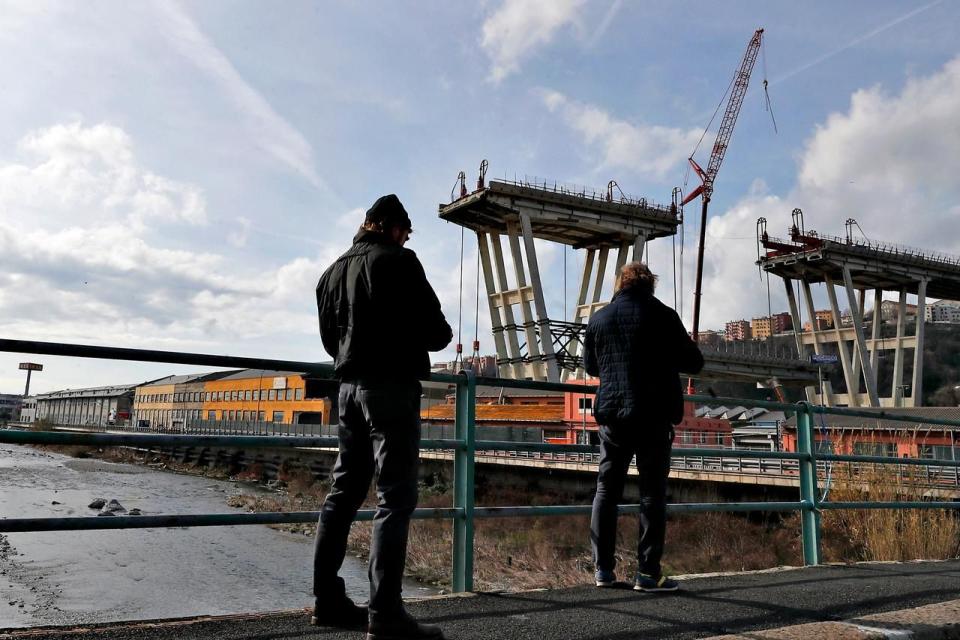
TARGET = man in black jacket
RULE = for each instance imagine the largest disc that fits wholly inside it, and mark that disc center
(378, 317)
(637, 346)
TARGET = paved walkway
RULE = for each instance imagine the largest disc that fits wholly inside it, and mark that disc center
(707, 606)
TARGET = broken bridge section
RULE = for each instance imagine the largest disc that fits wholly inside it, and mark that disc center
(859, 266)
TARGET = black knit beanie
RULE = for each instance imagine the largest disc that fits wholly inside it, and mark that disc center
(388, 212)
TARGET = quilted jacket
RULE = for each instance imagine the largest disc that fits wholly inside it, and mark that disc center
(378, 314)
(638, 347)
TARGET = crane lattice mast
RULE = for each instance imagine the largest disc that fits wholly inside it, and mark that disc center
(740, 83)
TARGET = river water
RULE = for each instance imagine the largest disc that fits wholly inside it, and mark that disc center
(74, 577)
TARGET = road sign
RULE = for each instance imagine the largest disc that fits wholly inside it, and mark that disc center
(31, 366)
(823, 358)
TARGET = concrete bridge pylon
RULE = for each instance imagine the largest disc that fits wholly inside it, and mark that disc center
(529, 343)
(859, 266)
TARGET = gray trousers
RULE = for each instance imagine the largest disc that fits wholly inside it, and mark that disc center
(651, 444)
(379, 435)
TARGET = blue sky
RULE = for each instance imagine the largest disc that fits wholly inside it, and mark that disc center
(177, 175)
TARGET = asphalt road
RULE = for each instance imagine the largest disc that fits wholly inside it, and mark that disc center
(706, 606)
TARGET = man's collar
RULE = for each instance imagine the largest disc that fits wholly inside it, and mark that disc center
(371, 237)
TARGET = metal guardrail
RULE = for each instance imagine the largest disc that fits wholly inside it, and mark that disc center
(464, 511)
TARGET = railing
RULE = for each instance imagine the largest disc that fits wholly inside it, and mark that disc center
(464, 511)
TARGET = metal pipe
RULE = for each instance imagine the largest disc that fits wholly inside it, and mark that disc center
(464, 489)
(809, 516)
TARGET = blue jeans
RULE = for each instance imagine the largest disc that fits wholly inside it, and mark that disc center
(619, 443)
(379, 434)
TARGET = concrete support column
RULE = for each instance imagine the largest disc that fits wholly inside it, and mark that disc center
(869, 378)
(854, 398)
(546, 335)
(897, 391)
(917, 391)
(875, 332)
(505, 363)
(639, 246)
(529, 325)
(798, 336)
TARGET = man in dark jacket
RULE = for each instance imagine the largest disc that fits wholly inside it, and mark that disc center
(378, 317)
(637, 346)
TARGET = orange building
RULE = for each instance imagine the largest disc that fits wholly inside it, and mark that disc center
(882, 436)
(692, 431)
(282, 397)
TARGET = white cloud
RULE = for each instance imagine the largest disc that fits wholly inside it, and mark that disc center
(93, 170)
(82, 256)
(889, 161)
(647, 150)
(519, 27)
(273, 133)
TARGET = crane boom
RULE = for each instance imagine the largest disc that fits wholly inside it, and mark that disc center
(740, 83)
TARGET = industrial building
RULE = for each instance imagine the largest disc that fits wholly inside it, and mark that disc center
(28, 410)
(883, 437)
(256, 395)
(172, 402)
(97, 406)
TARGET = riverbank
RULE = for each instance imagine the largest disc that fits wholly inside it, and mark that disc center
(82, 577)
(527, 553)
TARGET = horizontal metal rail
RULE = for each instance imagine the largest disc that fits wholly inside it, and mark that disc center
(90, 523)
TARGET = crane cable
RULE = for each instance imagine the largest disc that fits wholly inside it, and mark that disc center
(476, 317)
(766, 94)
(459, 356)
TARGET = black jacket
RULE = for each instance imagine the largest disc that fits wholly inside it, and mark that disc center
(638, 346)
(378, 314)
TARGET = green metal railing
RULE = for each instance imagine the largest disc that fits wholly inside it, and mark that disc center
(464, 512)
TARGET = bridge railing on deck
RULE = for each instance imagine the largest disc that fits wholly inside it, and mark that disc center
(464, 511)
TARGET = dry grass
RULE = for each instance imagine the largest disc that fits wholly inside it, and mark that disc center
(884, 534)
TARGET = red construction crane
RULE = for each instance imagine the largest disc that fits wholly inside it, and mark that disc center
(739, 89)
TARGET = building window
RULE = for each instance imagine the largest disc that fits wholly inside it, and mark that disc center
(271, 395)
(278, 416)
(585, 404)
(211, 415)
(263, 416)
(298, 395)
(256, 394)
(289, 394)
(824, 446)
(246, 394)
(887, 449)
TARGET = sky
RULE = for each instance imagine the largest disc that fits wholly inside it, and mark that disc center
(177, 175)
